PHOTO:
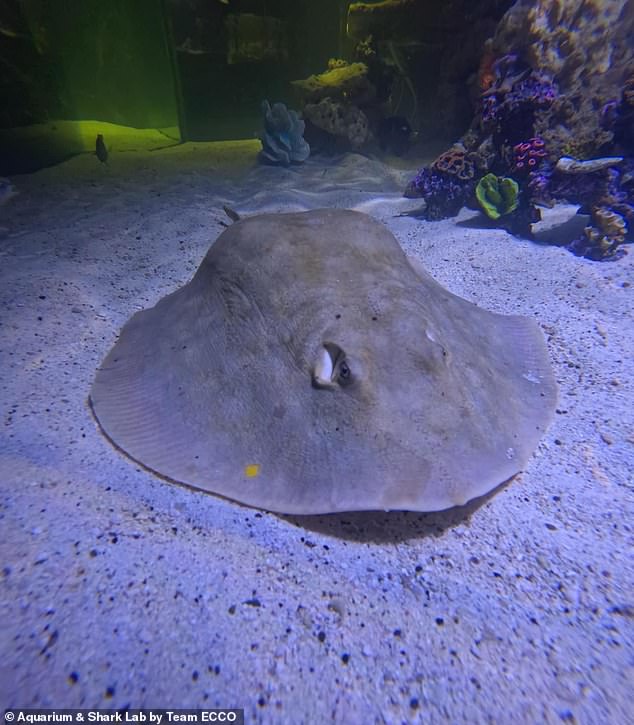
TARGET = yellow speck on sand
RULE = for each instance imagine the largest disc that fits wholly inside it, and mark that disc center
(252, 470)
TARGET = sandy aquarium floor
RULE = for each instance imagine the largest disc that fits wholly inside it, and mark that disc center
(122, 590)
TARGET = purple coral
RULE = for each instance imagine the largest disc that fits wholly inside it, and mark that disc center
(539, 185)
(489, 109)
(534, 91)
(443, 196)
(509, 105)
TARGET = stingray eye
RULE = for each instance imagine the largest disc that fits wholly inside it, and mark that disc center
(344, 372)
(331, 367)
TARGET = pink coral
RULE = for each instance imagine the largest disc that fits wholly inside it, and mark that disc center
(529, 154)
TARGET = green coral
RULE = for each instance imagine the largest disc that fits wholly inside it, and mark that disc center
(497, 195)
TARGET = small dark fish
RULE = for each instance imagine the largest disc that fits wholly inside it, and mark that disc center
(395, 135)
(101, 152)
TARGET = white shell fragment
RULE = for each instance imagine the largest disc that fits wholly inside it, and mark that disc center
(568, 165)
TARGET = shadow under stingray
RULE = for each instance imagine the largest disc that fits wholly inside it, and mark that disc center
(368, 527)
(362, 527)
(389, 527)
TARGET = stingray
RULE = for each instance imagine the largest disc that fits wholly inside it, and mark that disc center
(308, 367)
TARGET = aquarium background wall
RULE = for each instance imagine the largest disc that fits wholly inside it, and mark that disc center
(81, 62)
(88, 60)
(159, 72)
(195, 69)
(199, 69)
(230, 56)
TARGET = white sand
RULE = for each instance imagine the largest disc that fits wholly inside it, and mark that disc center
(516, 609)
